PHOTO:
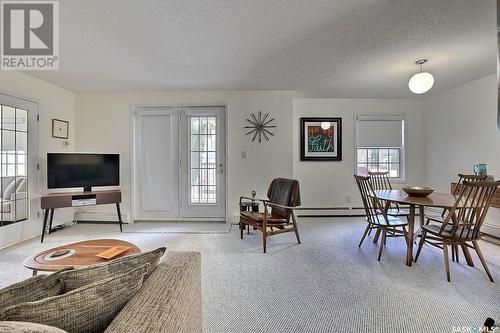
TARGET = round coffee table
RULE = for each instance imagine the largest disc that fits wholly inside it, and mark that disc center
(81, 254)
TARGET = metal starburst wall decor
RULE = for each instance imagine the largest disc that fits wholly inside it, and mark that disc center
(260, 126)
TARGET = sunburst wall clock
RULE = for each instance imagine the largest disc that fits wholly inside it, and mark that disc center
(260, 126)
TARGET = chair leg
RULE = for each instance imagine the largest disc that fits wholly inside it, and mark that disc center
(367, 230)
(264, 241)
(242, 226)
(405, 234)
(422, 241)
(295, 228)
(453, 252)
(457, 254)
(446, 260)
(483, 261)
(382, 244)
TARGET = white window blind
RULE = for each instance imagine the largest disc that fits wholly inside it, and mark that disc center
(380, 131)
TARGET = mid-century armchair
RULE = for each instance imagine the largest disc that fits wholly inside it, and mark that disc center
(283, 196)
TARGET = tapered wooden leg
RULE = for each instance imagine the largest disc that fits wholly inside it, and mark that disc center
(406, 234)
(483, 261)
(446, 260)
(50, 220)
(264, 241)
(295, 228)
(422, 241)
(364, 234)
(457, 254)
(382, 242)
(377, 235)
(45, 218)
(119, 213)
(453, 252)
(411, 224)
(468, 257)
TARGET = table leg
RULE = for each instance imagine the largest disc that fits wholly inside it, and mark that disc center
(45, 218)
(411, 224)
(119, 216)
(51, 219)
(421, 215)
(35, 272)
(467, 255)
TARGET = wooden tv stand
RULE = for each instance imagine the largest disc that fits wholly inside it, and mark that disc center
(78, 199)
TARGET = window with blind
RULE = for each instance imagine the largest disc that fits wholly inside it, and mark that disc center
(380, 145)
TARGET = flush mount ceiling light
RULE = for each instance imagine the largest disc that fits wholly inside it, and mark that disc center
(422, 81)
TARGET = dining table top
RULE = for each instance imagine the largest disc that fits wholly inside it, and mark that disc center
(435, 199)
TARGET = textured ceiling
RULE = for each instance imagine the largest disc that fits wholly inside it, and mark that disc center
(321, 48)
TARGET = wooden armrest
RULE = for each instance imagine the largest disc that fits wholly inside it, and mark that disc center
(279, 206)
(252, 199)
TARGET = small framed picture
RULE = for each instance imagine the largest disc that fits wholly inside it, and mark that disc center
(60, 129)
(321, 139)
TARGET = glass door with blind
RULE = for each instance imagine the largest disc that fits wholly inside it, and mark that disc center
(18, 160)
(203, 162)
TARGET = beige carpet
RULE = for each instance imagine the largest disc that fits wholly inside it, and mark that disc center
(326, 284)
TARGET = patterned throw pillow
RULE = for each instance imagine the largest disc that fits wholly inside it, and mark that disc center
(82, 276)
(89, 309)
(32, 289)
(20, 327)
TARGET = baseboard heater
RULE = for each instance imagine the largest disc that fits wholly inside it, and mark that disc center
(333, 211)
(329, 211)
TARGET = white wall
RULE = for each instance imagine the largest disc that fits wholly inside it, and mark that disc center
(53, 102)
(460, 130)
(331, 184)
(105, 125)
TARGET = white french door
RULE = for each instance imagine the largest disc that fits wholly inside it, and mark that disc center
(203, 162)
(179, 160)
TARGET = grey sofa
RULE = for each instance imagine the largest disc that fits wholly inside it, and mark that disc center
(169, 301)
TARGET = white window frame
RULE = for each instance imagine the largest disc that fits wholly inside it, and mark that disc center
(402, 153)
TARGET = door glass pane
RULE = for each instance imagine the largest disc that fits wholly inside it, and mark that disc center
(195, 142)
(8, 117)
(13, 165)
(21, 120)
(203, 163)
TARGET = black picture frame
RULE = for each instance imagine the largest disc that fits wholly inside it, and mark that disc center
(60, 129)
(324, 139)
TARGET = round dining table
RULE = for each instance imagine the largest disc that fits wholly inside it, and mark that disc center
(437, 200)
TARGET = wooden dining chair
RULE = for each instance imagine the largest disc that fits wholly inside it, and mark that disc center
(456, 191)
(390, 226)
(283, 196)
(380, 181)
(463, 222)
(455, 253)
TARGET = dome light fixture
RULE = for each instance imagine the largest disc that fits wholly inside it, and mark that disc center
(325, 125)
(422, 81)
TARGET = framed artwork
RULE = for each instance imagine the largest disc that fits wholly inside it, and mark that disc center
(60, 129)
(321, 139)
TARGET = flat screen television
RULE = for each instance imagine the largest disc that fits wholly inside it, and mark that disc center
(67, 170)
